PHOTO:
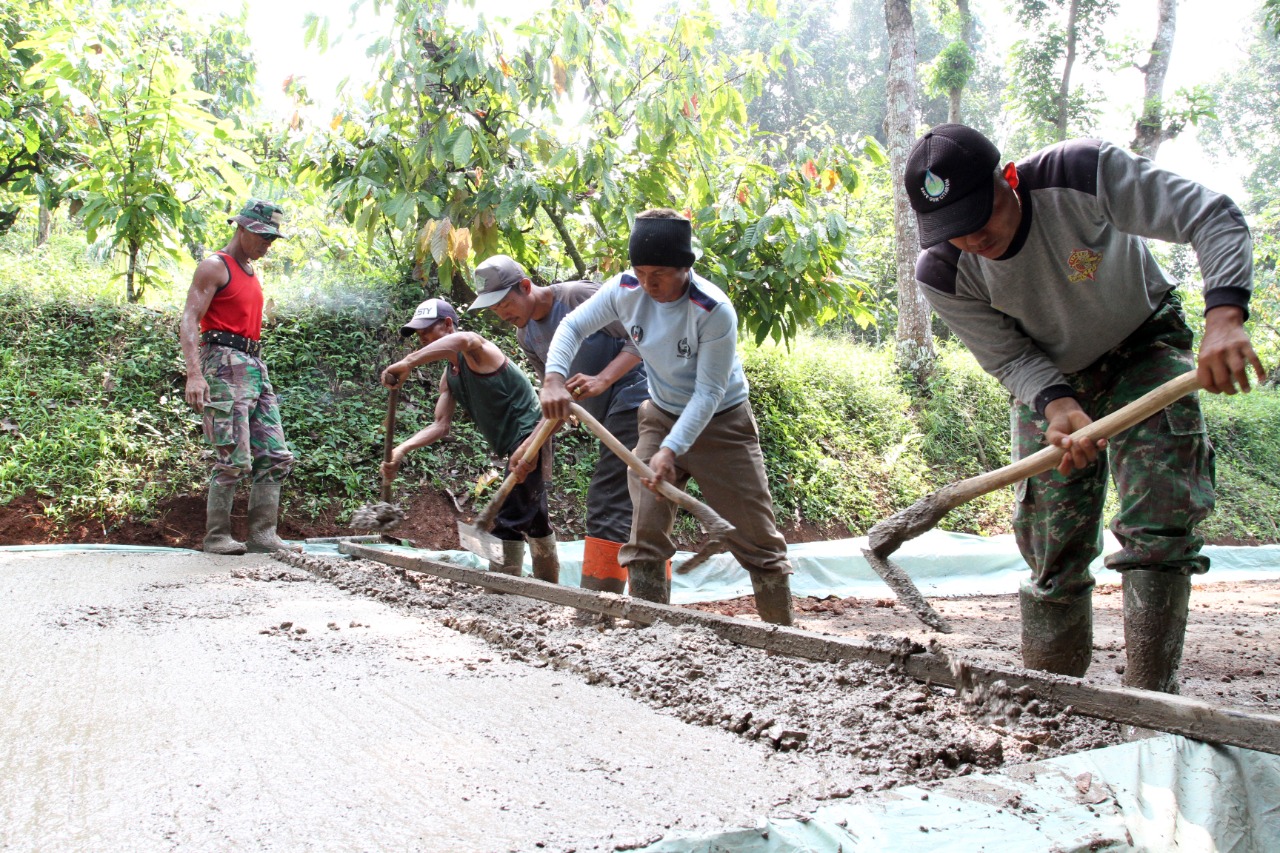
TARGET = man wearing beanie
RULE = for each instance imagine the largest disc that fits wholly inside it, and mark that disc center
(502, 403)
(1041, 268)
(606, 378)
(697, 423)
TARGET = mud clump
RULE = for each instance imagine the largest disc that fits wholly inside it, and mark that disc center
(862, 727)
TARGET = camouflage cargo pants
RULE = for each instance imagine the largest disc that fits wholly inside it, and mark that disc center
(1163, 472)
(242, 419)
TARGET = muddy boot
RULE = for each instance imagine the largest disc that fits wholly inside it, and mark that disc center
(512, 558)
(1155, 623)
(773, 596)
(600, 568)
(546, 562)
(1057, 636)
(217, 537)
(264, 511)
(648, 580)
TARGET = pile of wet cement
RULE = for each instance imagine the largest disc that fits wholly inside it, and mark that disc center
(866, 726)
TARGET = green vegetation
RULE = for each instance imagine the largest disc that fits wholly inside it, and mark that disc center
(92, 423)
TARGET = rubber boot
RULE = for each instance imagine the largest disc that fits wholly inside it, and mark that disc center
(264, 512)
(1155, 624)
(773, 596)
(601, 570)
(512, 558)
(217, 536)
(649, 580)
(546, 562)
(1057, 636)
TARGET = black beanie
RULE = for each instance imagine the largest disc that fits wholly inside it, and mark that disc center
(662, 243)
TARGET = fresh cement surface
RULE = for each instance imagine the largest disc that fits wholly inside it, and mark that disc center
(182, 701)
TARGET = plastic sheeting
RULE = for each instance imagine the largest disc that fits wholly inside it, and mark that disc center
(1163, 793)
(940, 563)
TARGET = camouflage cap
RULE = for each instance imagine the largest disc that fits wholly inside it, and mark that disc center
(260, 217)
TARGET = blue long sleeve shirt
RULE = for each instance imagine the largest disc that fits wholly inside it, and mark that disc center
(689, 348)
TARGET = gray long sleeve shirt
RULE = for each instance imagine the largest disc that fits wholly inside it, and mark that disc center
(1078, 278)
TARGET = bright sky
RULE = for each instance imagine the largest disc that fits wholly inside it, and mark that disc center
(1211, 35)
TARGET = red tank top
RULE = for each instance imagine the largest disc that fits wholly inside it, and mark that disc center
(237, 306)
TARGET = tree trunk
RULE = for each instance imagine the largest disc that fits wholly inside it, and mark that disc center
(570, 247)
(1151, 130)
(45, 226)
(914, 353)
(1064, 89)
(966, 35)
(131, 273)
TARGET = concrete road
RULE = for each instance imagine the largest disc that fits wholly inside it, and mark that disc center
(178, 701)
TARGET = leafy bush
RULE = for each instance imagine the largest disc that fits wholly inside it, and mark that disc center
(92, 421)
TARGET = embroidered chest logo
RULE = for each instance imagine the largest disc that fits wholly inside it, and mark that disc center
(683, 350)
(1084, 264)
(637, 333)
(935, 188)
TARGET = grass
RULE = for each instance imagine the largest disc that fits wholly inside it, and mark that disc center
(92, 419)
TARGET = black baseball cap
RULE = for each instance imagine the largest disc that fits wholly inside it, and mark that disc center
(949, 180)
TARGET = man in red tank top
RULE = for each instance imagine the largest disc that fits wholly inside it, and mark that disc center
(227, 382)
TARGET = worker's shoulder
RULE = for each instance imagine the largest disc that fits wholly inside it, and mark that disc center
(574, 293)
(1069, 165)
(706, 294)
(213, 271)
(938, 267)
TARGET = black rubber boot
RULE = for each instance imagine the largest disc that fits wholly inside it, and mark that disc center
(217, 537)
(546, 562)
(512, 558)
(1155, 625)
(647, 579)
(773, 596)
(264, 511)
(1057, 636)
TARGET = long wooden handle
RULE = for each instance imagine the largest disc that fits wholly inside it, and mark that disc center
(540, 435)
(681, 498)
(1105, 427)
(389, 441)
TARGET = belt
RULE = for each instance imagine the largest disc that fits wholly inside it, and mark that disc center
(230, 339)
(674, 416)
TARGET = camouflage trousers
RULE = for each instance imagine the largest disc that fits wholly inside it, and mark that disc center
(242, 419)
(1162, 468)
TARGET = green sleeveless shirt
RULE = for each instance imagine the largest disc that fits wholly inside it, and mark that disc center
(502, 404)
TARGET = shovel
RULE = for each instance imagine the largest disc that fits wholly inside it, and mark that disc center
(888, 535)
(476, 537)
(383, 515)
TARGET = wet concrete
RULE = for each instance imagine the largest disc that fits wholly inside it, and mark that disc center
(178, 701)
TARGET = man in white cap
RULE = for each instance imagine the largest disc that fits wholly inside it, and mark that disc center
(228, 383)
(698, 421)
(607, 379)
(503, 406)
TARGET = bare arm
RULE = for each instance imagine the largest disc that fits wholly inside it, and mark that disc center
(446, 405)
(481, 356)
(210, 275)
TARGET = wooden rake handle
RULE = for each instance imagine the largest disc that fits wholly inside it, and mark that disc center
(540, 435)
(717, 528)
(389, 440)
(1105, 427)
(888, 535)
